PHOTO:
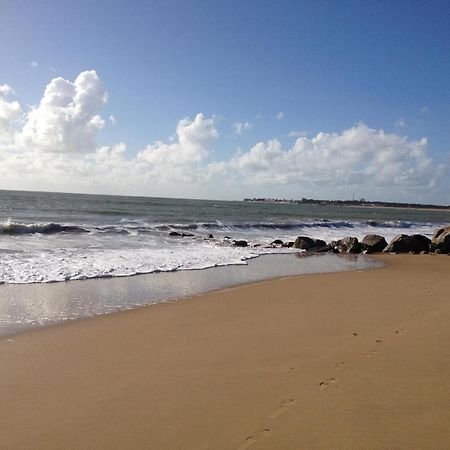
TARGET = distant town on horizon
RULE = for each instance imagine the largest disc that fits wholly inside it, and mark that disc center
(361, 202)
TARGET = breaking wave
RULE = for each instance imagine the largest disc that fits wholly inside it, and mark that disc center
(12, 228)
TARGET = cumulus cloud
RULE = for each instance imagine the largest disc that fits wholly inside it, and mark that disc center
(10, 111)
(66, 119)
(56, 149)
(240, 127)
(192, 144)
(359, 156)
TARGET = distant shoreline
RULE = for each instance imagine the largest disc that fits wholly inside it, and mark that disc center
(352, 203)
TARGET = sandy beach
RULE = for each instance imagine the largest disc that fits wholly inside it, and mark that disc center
(356, 360)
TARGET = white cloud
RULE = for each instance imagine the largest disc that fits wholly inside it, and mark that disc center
(33, 64)
(56, 150)
(280, 115)
(191, 145)
(240, 127)
(66, 119)
(10, 111)
(401, 123)
(359, 156)
(113, 120)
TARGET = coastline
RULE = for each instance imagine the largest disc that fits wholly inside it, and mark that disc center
(332, 360)
(26, 306)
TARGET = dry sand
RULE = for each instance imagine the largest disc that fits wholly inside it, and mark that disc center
(355, 360)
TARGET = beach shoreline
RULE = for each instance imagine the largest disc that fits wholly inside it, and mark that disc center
(27, 306)
(331, 360)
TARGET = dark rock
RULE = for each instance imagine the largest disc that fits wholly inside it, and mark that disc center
(347, 245)
(307, 243)
(288, 244)
(405, 244)
(240, 243)
(210, 236)
(304, 243)
(277, 242)
(441, 240)
(324, 249)
(374, 243)
(420, 243)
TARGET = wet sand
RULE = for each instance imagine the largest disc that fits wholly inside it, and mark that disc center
(356, 360)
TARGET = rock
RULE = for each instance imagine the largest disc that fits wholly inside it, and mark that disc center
(307, 243)
(277, 242)
(240, 243)
(304, 243)
(324, 249)
(347, 245)
(441, 240)
(289, 244)
(374, 243)
(420, 243)
(177, 234)
(405, 244)
(210, 236)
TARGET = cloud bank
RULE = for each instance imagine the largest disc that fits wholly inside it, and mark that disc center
(53, 146)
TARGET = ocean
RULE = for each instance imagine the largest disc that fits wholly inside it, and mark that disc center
(54, 237)
(69, 256)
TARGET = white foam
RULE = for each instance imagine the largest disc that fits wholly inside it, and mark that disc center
(41, 258)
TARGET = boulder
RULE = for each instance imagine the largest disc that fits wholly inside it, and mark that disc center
(307, 243)
(405, 244)
(240, 243)
(277, 242)
(374, 243)
(347, 245)
(441, 240)
(420, 243)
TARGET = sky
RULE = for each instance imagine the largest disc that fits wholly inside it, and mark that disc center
(227, 99)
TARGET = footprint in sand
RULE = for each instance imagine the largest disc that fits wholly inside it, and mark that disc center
(255, 437)
(327, 383)
(341, 365)
(284, 407)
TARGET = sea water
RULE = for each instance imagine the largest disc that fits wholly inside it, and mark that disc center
(56, 250)
(53, 237)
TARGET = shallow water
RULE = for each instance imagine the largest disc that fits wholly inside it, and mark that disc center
(26, 306)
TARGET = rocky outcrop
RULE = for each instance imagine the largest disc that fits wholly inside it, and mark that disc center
(374, 243)
(441, 240)
(405, 244)
(347, 245)
(307, 243)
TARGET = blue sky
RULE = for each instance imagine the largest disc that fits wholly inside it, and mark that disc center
(328, 67)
